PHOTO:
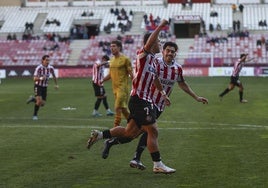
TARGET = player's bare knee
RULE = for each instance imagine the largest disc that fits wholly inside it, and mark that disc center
(38, 103)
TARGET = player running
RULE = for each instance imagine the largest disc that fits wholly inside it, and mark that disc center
(235, 78)
(42, 74)
(169, 72)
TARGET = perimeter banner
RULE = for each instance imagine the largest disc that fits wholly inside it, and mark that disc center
(2, 73)
(261, 71)
(195, 71)
(227, 71)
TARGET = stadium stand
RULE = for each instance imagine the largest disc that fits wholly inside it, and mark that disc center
(27, 52)
(97, 47)
(232, 47)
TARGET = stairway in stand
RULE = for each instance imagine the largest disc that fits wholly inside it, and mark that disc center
(40, 19)
(136, 23)
(76, 46)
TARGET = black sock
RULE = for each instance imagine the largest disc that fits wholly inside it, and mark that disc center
(114, 141)
(224, 92)
(241, 95)
(124, 140)
(36, 108)
(97, 104)
(106, 134)
(156, 156)
(105, 103)
(141, 146)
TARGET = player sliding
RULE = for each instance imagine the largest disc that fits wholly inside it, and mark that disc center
(235, 78)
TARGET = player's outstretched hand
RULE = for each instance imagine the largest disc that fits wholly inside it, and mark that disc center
(203, 100)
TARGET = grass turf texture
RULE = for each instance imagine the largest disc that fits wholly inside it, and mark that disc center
(222, 144)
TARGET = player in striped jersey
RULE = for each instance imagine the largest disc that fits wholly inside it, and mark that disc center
(41, 76)
(234, 81)
(169, 72)
(142, 111)
(97, 78)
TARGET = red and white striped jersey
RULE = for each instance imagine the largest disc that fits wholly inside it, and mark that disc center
(98, 73)
(45, 72)
(168, 75)
(238, 65)
(143, 75)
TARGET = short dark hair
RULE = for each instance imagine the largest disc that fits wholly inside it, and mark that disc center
(118, 43)
(44, 57)
(169, 43)
(242, 55)
(106, 57)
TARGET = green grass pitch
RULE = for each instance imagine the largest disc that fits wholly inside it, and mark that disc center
(223, 144)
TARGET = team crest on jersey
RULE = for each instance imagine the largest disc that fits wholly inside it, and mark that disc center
(151, 69)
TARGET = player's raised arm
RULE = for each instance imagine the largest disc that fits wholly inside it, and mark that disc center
(154, 36)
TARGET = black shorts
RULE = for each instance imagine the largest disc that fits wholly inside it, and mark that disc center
(98, 90)
(40, 91)
(143, 112)
(235, 80)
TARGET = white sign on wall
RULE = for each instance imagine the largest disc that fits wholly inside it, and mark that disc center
(227, 71)
(2, 73)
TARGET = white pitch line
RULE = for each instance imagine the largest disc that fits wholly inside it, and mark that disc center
(111, 120)
(160, 122)
(54, 126)
(238, 127)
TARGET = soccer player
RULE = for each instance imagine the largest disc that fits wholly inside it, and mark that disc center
(97, 77)
(41, 76)
(120, 73)
(169, 72)
(234, 81)
(142, 111)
